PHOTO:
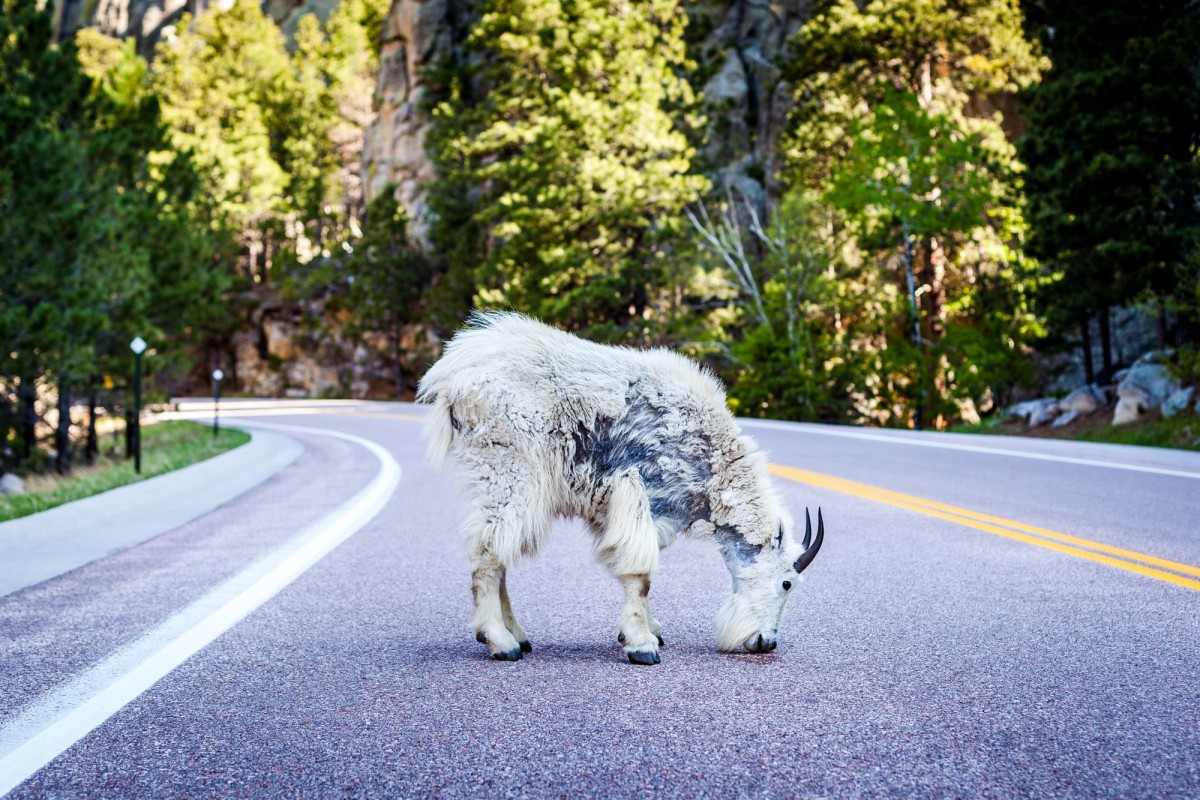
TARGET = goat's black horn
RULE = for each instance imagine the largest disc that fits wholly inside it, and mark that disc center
(810, 553)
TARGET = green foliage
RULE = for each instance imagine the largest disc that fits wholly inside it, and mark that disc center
(914, 169)
(796, 356)
(44, 196)
(227, 88)
(574, 156)
(266, 128)
(914, 206)
(921, 192)
(101, 236)
(849, 58)
(1112, 156)
(388, 276)
(1185, 365)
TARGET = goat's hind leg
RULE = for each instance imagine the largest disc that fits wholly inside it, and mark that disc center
(510, 621)
(655, 625)
(489, 622)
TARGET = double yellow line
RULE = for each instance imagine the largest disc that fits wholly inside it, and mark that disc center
(1128, 560)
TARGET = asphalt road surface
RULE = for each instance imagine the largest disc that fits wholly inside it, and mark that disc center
(988, 617)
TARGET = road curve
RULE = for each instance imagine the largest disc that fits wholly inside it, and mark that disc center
(987, 617)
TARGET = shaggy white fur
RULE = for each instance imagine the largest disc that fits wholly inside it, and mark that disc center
(640, 444)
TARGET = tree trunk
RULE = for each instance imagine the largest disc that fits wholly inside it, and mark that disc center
(933, 317)
(1105, 346)
(62, 434)
(399, 366)
(129, 433)
(1085, 335)
(910, 280)
(28, 422)
(93, 447)
(933, 299)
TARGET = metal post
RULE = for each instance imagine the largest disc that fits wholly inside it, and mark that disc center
(217, 376)
(138, 346)
(137, 413)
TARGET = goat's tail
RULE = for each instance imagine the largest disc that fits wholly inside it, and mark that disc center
(439, 423)
(439, 428)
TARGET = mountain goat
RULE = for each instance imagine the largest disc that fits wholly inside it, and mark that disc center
(639, 444)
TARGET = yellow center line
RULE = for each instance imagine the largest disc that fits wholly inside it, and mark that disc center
(992, 524)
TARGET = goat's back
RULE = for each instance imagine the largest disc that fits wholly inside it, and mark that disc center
(506, 366)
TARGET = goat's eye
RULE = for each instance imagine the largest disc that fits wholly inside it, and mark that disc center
(787, 585)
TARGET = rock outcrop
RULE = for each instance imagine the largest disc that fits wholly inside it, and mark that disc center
(417, 34)
(1178, 401)
(1145, 387)
(290, 351)
(140, 20)
(741, 46)
(1035, 413)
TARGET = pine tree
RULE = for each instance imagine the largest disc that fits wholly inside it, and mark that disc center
(94, 221)
(889, 128)
(228, 95)
(1111, 151)
(574, 156)
(388, 276)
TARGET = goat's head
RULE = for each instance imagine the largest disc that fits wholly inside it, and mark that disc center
(762, 582)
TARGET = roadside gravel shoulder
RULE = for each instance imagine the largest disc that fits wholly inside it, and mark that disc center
(44, 545)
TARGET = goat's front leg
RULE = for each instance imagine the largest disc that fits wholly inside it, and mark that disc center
(487, 587)
(640, 640)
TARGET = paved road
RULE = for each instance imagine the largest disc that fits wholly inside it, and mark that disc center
(988, 617)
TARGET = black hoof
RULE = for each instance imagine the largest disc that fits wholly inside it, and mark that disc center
(660, 641)
(479, 637)
(643, 657)
(526, 647)
(508, 655)
(621, 638)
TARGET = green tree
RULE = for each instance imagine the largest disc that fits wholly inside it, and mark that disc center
(797, 353)
(275, 135)
(920, 191)
(576, 163)
(1112, 154)
(166, 213)
(232, 98)
(890, 129)
(388, 275)
(66, 266)
(94, 215)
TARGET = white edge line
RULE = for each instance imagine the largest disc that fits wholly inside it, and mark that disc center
(1088, 462)
(62, 717)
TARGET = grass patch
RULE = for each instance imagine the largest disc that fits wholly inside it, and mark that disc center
(166, 446)
(1181, 432)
